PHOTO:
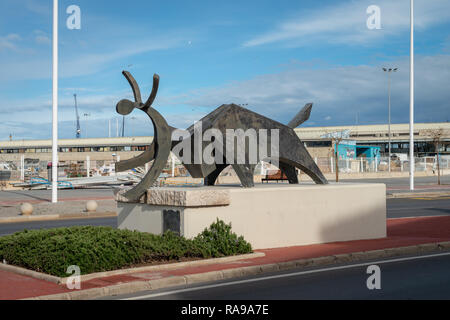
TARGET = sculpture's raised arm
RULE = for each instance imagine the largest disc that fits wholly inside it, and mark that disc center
(152, 97)
(134, 86)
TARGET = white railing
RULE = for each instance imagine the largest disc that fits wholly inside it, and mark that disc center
(24, 169)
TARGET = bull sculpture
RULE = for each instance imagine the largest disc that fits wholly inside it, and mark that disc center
(291, 152)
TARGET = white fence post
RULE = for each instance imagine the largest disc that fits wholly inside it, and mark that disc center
(88, 166)
(332, 164)
(173, 166)
(22, 167)
(362, 165)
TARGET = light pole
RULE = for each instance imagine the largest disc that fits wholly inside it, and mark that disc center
(132, 127)
(55, 105)
(411, 105)
(389, 71)
(86, 115)
(123, 126)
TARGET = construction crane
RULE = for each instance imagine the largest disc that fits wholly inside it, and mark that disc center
(78, 118)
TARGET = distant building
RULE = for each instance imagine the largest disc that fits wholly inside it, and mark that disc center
(366, 141)
(100, 149)
(377, 136)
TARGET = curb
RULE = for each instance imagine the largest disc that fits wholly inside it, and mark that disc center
(52, 217)
(170, 266)
(132, 287)
(29, 273)
(406, 195)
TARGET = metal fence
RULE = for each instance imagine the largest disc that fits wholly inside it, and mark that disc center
(26, 169)
(381, 164)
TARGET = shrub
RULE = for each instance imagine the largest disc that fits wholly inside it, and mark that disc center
(218, 240)
(97, 249)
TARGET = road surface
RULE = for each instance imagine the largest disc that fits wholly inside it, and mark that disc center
(418, 277)
(396, 208)
(11, 228)
(392, 184)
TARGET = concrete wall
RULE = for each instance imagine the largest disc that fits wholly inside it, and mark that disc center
(280, 216)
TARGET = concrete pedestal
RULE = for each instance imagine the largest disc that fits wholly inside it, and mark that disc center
(268, 216)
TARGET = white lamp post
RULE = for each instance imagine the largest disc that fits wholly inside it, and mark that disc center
(55, 105)
(86, 116)
(411, 106)
(389, 70)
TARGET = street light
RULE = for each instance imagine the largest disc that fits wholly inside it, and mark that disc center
(411, 104)
(132, 126)
(55, 105)
(389, 70)
(86, 115)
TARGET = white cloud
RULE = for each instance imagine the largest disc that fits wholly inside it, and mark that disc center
(37, 6)
(9, 41)
(337, 92)
(75, 63)
(346, 23)
(41, 37)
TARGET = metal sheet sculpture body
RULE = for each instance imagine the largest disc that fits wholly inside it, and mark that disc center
(291, 151)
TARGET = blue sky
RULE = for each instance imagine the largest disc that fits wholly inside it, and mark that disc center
(274, 56)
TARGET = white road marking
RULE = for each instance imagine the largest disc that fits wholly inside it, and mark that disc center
(154, 295)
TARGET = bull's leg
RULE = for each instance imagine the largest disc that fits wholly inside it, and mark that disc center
(211, 179)
(245, 174)
(294, 154)
(290, 172)
(308, 166)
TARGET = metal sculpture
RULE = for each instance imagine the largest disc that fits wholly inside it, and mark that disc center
(292, 153)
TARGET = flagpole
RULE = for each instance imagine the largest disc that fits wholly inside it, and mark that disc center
(411, 106)
(55, 105)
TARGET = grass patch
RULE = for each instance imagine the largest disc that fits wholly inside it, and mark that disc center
(98, 249)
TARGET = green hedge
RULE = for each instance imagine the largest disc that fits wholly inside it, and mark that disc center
(97, 249)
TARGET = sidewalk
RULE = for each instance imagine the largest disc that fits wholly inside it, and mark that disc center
(419, 191)
(66, 206)
(401, 233)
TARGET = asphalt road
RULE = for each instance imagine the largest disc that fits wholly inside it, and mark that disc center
(45, 195)
(11, 228)
(420, 277)
(418, 207)
(396, 182)
(396, 208)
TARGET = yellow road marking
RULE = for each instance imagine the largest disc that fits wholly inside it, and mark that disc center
(430, 199)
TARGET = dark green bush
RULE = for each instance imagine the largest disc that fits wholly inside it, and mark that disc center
(97, 249)
(218, 240)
